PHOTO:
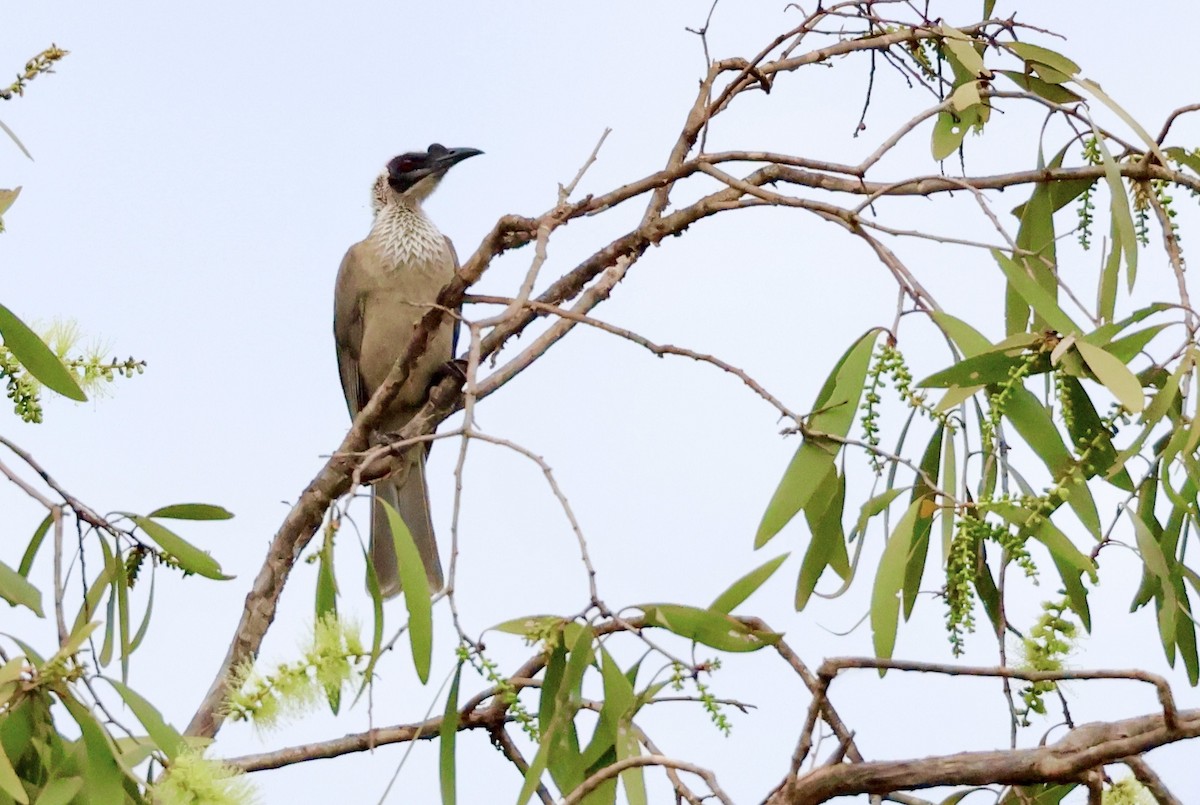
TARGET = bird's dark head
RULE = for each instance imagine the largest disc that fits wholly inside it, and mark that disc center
(414, 175)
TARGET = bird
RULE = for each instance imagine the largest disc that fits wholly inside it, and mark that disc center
(386, 284)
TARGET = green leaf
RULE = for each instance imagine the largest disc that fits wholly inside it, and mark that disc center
(633, 779)
(1110, 274)
(1125, 349)
(949, 479)
(564, 713)
(1036, 427)
(619, 702)
(889, 580)
(746, 586)
(10, 783)
(984, 368)
(1115, 376)
(824, 517)
(102, 770)
(949, 131)
(1130, 120)
(962, 48)
(713, 629)
(835, 409)
(1076, 592)
(1035, 295)
(416, 592)
(166, 737)
(1055, 93)
(1042, 528)
(1088, 431)
(191, 559)
(376, 622)
(447, 735)
(1122, 217)
(192, 511)
(7, 198)
(1036, 56)
(17, 591)
(60, 791)
(923, 493)
(35, 542)
(36, 357)
(965, 337)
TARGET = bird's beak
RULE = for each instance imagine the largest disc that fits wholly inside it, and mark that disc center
(451, 157)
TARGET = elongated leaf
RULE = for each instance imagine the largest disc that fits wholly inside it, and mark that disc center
(1055, 93)
(416, 592)
(1040, 55)
(192, 511)
(619, 702)
(924, 494)
(746, 586)
(447, 735)
(104, 775)
(965, 337)
(1042, 529)
(166, 737)
(633, 778)
(1122, 216)
(1130, 120)
(1125, 349)
(1090, 435)
(713, 629)
(987, 367)
(17, 591)
(1035, 295)
(824, 517)
(60, 791)
(835, 408)
(564, 714)
(1115, 376)
(889, 581)
(191, 559)
(10, 783)
(35, 356)
(949, 480)
(1036, 427)
(962, 48)
(35, 542)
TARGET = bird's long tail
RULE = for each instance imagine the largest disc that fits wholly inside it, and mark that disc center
(408, 494)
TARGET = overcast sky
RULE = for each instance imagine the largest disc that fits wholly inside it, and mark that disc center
(200, 170)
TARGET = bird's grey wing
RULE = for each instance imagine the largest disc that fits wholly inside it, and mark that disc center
(348, 330)
(458, 320)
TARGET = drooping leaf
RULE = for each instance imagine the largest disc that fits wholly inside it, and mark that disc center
(35, 543)
(35, 356)
(985, 368)
(835, 409)
(924, 494)
(17, 591)
(1122, 216)
(889, 581)
(1104, 98)
(1055, 93)
(447, 735)
(10, 783)
(417, 598)
(1042, 528)
(1115, 376)
(103, 770)
(1030, 290)
(1090, 435)
(166, 737)
(190, 558)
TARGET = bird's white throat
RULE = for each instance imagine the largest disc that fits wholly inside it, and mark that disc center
(403, 236)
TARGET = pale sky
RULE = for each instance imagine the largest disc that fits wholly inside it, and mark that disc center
(200, 171)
